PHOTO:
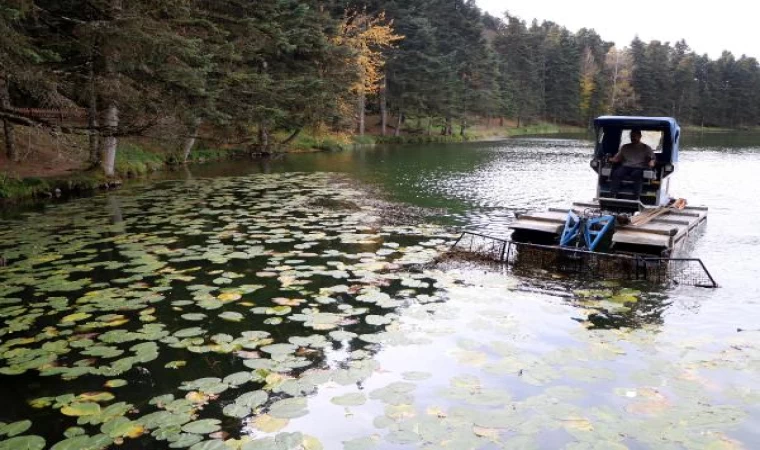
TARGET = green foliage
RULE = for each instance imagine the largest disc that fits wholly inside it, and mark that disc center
(11, 187)
(306, 142)
(132, 161)
(364, 140)
(543, 128)
(14, 188)
(423, 139)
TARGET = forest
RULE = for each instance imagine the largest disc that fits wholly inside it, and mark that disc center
(257, 73)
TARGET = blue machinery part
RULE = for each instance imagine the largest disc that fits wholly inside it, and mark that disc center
(571, 231)
(594, 235)
(593, 230)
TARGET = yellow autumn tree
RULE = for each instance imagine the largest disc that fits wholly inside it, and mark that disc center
(368, 37)
(589, 71)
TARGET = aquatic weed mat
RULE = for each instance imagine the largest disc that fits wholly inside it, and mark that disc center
(194, 311)
(240, 314)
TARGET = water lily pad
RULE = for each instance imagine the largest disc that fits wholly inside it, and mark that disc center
(95, 397)
(210, 445)
(185, 440)
(23, 443)
(203, 426)
(268, 424)
(121, 427)
(15, 428)
(115, 383)
(290, 408)
(78, 409)
(279, 349)
(175, 364)
(236, 410)
(355, 399)
(190, 332)
(416, 376)
(378, 320)
(252, 399)
(73, 432)
(231, 316)
(76, 317)
(238, 379)
(229, 297)
(195, 317)
(97, 442)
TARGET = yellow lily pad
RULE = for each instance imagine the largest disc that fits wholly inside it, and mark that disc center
(268, 424)
(229, 297)
(78, 409)
(95, 397)
(76, 317)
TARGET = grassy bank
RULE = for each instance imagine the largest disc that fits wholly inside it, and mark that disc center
(13, 188)
(543, 128)
(698, 129)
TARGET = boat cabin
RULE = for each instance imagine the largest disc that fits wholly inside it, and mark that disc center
(612, 132)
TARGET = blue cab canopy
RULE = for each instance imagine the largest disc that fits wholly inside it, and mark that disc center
(609, 130)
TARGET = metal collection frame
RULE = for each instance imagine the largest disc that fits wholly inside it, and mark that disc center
(520, 257)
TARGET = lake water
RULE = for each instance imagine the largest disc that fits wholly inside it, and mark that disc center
(279, 305)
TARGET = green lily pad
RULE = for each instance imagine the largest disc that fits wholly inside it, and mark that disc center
(97, 442)
(197, 317)
(203, 426)
(238, 379)
(236, 410)
(175, 364)
(15, 428)
(190, 332)
(215, 444)
(231, 316)
(115, 383)
(279, 349)
(74, 431)
(252, 399)
(23, 443)
(356, 399)
(289, 408)
(121, 427)
(186, 440)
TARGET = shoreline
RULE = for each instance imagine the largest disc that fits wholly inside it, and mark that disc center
(138, 162)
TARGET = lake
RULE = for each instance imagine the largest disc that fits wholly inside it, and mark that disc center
(290, 304)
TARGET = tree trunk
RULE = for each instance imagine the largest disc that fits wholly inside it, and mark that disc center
(111, 123)
(430, 126)
(463, 127)
(187, 147)
(361, 105)
(291, 137)
(5, 103)
(384, 107)
(449, 127)
(398, 127)
(614, 82)
(92, 119)
(263, 139)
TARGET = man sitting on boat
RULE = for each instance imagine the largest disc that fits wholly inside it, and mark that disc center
(633, 158)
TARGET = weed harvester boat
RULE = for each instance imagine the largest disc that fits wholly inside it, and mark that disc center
(638, 235)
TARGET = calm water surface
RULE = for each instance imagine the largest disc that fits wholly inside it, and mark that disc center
(266, 304)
